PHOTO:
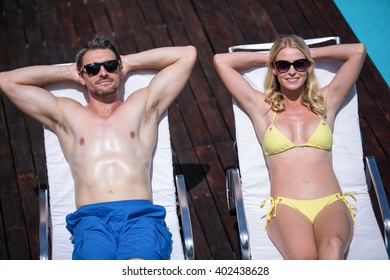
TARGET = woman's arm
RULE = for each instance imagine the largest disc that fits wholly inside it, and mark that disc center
(228, 66)
(353, 56)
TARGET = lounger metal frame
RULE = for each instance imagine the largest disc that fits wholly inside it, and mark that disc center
(374, 181)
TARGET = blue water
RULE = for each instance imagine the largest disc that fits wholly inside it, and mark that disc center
(370, 21)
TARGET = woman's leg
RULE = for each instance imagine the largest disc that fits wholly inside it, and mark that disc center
(333, 229)
(292, 233)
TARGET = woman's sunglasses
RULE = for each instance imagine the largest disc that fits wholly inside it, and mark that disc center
(94, 68)
(282, 66)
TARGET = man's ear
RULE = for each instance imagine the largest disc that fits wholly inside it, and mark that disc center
(82, 81)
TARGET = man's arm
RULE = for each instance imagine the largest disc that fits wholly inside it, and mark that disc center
(174, 65)
(24, 87)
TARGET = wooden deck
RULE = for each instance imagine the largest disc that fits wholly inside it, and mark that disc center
(201, 120)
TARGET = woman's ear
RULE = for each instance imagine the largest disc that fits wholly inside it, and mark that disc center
(274, 72)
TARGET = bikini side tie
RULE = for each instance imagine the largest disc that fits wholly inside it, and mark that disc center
(352, 208)
(273, 206)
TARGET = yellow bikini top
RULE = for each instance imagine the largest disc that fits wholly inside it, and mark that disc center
(276, 142)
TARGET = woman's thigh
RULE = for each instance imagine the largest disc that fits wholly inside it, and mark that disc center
(292, 233)
(333, 228)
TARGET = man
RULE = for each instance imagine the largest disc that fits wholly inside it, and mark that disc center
(108, 143)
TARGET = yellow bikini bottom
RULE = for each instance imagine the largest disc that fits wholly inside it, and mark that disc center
(309, 207)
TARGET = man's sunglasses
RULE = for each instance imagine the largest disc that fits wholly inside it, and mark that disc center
(93, 69)
(282, 66)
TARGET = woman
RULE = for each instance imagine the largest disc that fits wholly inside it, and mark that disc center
(293, 120)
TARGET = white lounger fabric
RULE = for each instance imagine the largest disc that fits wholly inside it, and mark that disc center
(348, 163)
(61, 192)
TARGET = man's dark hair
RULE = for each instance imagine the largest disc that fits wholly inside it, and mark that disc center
(98, 42)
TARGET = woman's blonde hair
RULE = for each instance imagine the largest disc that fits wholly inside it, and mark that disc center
(311, 96)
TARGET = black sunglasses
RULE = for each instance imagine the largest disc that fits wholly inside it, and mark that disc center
(94, 68)
(282, 66)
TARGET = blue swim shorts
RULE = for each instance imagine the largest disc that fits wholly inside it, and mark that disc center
(120, 230)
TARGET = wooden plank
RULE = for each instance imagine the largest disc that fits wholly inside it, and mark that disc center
(82, 21)
(137, 25)
(210, 222)
(215, 176)
(34, 130)
(156, 26)
(172, 19)
(180, 136)
(313, 22)
(182, 141)
(12, 211)
(4, 50)
(6, 172)
(371, 146)
(267, 18)
(67, 31)
(177, 32)
(192, 117)
(183, 101)
(13, 221)
(34, 40)
(48, 22)
(17, 44)
(218, 94)
(200, 89)
(17, 245)
(201, 248)
(44, 12)
(121, 29)
(99, 18)
(28, 185)
(16, 124)
(3, 242)
(369, 109)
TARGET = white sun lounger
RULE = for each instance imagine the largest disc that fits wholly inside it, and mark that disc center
(58, 199)
(248, 184)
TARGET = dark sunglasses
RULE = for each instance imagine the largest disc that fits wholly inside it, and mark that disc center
(282, 66)
(94, 68)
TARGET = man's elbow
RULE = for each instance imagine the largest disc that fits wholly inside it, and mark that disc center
(190, 54)
(4, 80)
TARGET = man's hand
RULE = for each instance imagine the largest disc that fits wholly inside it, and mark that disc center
(75, 75)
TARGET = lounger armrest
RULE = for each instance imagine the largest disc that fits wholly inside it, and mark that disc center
(376, 182)
(188, 240)
(236, 203)
(43, 225)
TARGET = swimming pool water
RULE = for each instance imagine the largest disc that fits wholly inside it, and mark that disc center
(370, 21)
